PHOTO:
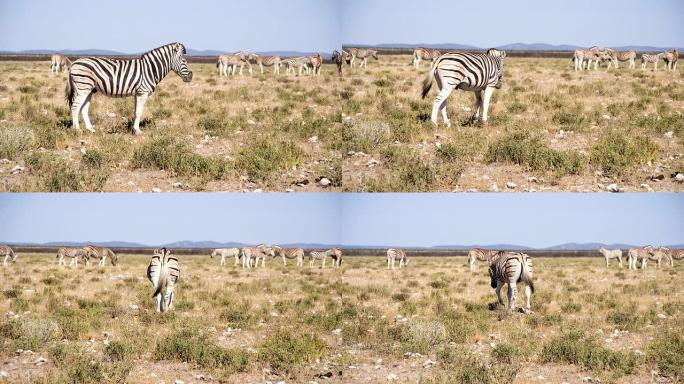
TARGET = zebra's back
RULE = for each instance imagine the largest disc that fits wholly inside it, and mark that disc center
(469, 71)
(112, 77)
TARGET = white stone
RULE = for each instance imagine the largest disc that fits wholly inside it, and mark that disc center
(324, 181)
(494, 187)
(179, 382)
(679, 177)
(313, 139)
(337, 331)
(613, 188)
(156, 190)
(392, 377)
(3, 374)
(372, 163)
(17, 169)
(40, 361)
(511, 185)
(669, 134)
(258, 190)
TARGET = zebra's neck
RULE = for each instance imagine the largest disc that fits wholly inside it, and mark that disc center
(155, 69)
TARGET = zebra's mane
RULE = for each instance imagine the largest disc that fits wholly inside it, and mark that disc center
(162, 47)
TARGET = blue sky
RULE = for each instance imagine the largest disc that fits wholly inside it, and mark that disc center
(124, 25)
(423, 219)
(497, 22)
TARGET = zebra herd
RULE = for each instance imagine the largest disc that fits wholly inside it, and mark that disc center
(584, 58)
(643, 255)
(250, 257)
(227, 64)
(86, 253)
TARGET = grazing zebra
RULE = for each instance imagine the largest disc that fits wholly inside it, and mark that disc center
(289, 253)
(636, 254)
(677, 254)
(424, 54)
(337, 59)
(646, 58)
(475, 72)
(479, 254)
(511, 268)
(259, 253)
(59, 63)
(596, 57)
(246, 256)
(229, 63)
(580, 55)
(393, 254)
(617, 56)
(227, 252)
(266, 61)
(120, 78)
(611, 254)
(362, 54)
(671, 57)
(163, 272)
(316, 62)
(73, 253)
(667, 254)
(334, 253)
(101, 254)
(9, 255)
(293, 64)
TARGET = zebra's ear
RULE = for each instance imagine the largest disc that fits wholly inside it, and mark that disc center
(180, 48)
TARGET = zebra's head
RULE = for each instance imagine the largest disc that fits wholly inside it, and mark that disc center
(374, 54)
(113, 258)
(179, 64)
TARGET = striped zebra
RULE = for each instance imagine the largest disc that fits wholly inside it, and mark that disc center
(294, 64)
(647, 58)
(163, 272)
(611, 254)
(635, 255)
(334, 253)
(677, 254)
(396, 253)
(73, 253)
(266, 61)
(226, 252)
(59, 63)
(259, 253)
(8, 254)
(579, 56)
(363, 55)
(316, 62)
(121, 78)
(246, 256)
(101, 254)
(477, 72)
(289, 253)
(424, 54)
(617, 56)
(337, 59)
(511, 268)
(229, 63)
(671, 58)
(479, 254)
(666, 254)
(346, 56)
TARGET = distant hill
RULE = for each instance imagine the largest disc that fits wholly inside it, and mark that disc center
(510, 47)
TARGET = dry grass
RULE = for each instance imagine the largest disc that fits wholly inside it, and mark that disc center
(214, 134)
(360, 323)
(613, 127)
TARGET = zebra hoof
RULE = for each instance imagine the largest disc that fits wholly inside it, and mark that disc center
(91, 129)
(137, 132)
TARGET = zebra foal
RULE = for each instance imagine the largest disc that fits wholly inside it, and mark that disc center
(163, 272)
(122, 78)
(424, 54)
(73, 253)
(226, 252)
(8, 254)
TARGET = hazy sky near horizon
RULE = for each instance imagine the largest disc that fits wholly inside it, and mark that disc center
(498, 22)
(132, 26)
(423, 219)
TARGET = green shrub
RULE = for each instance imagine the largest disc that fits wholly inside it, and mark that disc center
(287, 352)
(264, 157)
(14, 141)
(616, 153)
(667, 351)
(365, 136)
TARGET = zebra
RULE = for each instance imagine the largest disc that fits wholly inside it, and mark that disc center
(475, 72)
(479, 254)
(289, 253)
(316, 62)
(347, 57)
(9, 254)
(611, 254)
(259, 253)
(363, 55)
(636, 254)
(296, 63)
(671, 57)
(334, 253)
(617, 56)
(337, 59)
(667, 254)
(266, 61)
(511, 268)
(163, 272)
(229, 63)
(657, 255)
(677, 254)
(59, 63)
(424, 54)
(226, 252)
(393, 254)
(101, 254)
(73, 253)
(121, 78)
(580, 54)
(596, 57)
(246, 256)
(647, 58)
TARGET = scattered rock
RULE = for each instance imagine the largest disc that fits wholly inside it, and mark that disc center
(392, 377)
(428, 363)
(133, 307)
(337, 331)
(257, 190)
(657, 177)
(678, 176)
(200, 377)
(511, 185)
(313, 139)
(156, 190)
(669, 134)
(613, 188)
(372, 163)
(606, 117)
(251, 122)
(532, 179)
(324, 181)
(179, 382)
(662, 316)
(288, 190)
(494, 187)
(5, 161)
(17, 169)
(40, 361)
(325, 375)
(3, 374)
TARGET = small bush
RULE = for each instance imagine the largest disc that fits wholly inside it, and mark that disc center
(616, 153)
(365, 136)
(14, 141)
(117, 351)
(93, 158)
(667, 351)
(504, 353)
(287, 352)
(264, 157)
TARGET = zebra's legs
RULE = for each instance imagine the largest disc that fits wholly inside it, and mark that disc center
(478, 105)
(139, 105)
(388, 263)
(323, 264)
(498, 292)
(606, 262)
(485, 105)
(620, 261)
(512, 295)
(80, 99)
(528, 296)
(440, 102)
(158, 299)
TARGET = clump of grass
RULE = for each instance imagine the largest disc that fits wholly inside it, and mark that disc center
(78, 366)
(571, 118)
(14, 141)
(238, 314)
(219, 126)
(667, 351)
(616, 153)
(575, 347)
(627, 319)
(286, 352)
(117, 350)
(56, 175)
(29, 333)
(365, 136)
(190, 345)
(523, 148)
(420, 335)
(174, 155)
(463, 367)
(262, 158)
(93, 158)
(464, 146)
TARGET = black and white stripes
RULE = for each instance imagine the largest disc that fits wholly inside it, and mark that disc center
(163, 272)
(8, 254)
(121, 78)
(511, 268)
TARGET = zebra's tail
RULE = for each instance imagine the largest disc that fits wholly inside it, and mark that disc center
(161, 286)
(429, 78)
(526, 275)
(69, 92)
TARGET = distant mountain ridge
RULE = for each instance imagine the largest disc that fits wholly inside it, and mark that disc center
(230, 244)
(513, 46)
